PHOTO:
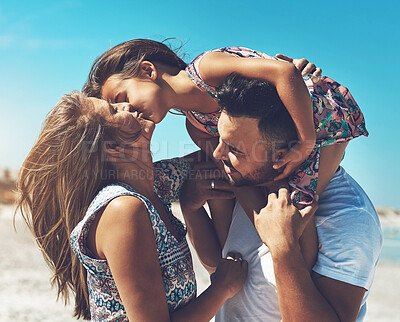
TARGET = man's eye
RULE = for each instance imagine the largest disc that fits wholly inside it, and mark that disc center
(234, 152)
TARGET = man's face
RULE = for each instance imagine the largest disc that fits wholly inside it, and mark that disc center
(244, 152)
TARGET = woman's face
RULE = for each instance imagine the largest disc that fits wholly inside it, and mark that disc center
(143, 94)
(128, 122)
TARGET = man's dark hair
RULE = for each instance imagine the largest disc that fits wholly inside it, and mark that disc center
(239, 96)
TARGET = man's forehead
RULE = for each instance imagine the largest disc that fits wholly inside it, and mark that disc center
(238, 128)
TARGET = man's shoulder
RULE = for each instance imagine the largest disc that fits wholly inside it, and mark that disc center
(350, 243)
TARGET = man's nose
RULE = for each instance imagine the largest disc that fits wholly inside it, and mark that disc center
(220, 152)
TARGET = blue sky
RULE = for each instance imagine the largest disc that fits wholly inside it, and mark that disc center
(47, 48)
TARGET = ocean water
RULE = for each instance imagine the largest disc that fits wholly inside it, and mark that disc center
(391, 244)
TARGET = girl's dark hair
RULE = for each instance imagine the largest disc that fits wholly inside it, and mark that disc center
(125, 59)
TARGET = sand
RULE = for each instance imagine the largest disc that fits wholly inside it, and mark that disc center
(25, 293)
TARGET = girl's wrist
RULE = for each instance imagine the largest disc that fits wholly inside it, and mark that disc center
(308, 139)
(307, 145)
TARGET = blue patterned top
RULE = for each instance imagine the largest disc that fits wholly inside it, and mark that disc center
(173, 252)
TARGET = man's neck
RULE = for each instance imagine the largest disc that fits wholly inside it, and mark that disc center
(274, 186)
(253, 199)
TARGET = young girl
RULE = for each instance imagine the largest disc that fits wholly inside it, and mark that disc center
(89, 182)
(154, 80)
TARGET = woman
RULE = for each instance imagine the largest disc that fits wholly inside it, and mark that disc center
(90, 175)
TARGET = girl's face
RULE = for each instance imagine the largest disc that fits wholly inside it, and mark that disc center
(142, 93)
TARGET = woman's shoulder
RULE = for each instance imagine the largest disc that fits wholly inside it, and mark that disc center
(115, 206)
(126, 207)
(118, 199)
(122, 216)
(108, 193)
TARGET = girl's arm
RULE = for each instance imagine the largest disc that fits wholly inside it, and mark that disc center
(125, 238)
(309, 245)
(214, 67)
(302, 64)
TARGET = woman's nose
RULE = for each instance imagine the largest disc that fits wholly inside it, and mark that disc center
(124, 107)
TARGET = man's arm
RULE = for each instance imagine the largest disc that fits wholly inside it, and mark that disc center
(302, 296)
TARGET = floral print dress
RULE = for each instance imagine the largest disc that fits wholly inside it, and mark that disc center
(176, 265)
(337, 119)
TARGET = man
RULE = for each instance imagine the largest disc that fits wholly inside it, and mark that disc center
(279, 284)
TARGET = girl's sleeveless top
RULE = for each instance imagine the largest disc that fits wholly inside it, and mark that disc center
(173, 253)
(337, 119)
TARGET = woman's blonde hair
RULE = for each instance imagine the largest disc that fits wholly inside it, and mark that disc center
(58, 180)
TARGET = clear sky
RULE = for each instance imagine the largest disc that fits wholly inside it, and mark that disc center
(47, 48)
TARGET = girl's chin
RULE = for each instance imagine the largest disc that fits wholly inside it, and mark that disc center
(156, 117)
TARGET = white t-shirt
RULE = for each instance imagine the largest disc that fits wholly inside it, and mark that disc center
(258, 299)
(350, 241)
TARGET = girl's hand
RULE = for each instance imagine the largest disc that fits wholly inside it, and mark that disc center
(302, 64)
(293, 158)
(230, 274)
(206, 182)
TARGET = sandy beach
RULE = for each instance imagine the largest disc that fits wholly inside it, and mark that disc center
(25, 293)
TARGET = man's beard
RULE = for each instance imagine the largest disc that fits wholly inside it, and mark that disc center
(259, 176)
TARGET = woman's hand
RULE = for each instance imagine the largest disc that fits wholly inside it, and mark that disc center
(206, 182)
(230, 274)
(302, 64)
(227, 280)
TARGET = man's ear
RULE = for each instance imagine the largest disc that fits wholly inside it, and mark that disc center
(278, 154)
(148, 70)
